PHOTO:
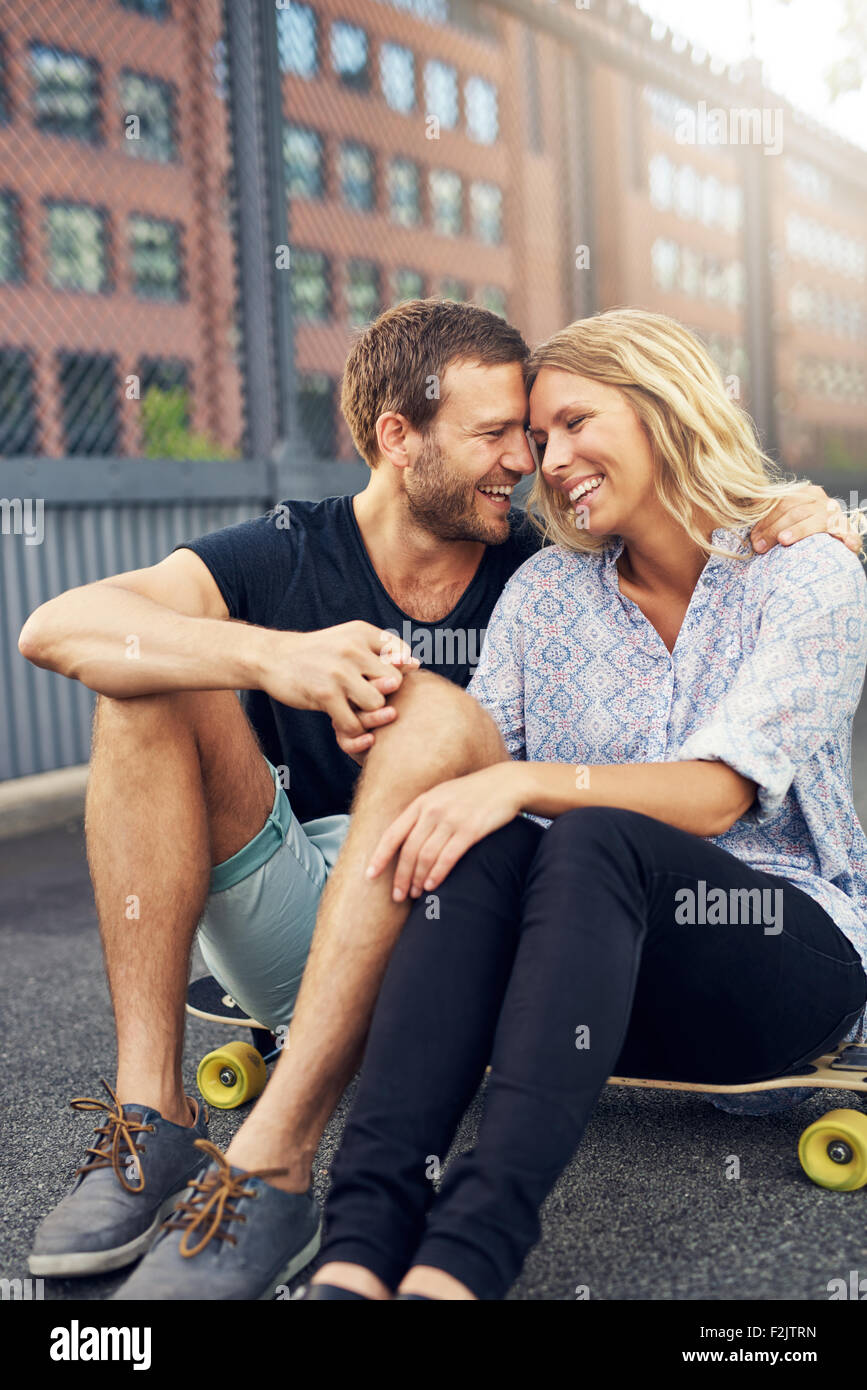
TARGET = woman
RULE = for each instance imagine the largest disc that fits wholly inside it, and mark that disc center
(696, 910)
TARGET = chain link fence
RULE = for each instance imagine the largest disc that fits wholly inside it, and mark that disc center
(119, 332)
(201, 201)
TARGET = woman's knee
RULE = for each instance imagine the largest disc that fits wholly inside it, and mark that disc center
(594, 827)
(499, 862)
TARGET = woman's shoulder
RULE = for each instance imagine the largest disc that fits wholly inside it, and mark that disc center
(815, 561)
(555, 560)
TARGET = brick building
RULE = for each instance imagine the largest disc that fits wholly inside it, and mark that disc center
(437, 146)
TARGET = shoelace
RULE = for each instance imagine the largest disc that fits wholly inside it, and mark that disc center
(117, 1130)
(210, 1206)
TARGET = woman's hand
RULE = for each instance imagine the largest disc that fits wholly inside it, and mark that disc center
(441, 825)
(804, 513)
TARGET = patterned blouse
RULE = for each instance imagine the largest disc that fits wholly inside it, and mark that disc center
(765, 675)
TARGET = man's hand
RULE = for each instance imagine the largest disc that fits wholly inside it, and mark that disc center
(358, 747)
(346, 671)
(805, 513)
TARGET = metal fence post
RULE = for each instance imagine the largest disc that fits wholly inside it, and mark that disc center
(290, 456)
(758, 289)
(262, 226)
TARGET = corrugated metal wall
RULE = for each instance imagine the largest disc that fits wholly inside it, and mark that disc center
(45, 721)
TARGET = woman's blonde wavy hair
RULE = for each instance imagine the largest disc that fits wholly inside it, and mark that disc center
(707, 460)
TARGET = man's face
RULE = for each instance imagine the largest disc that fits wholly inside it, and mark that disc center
(459, 482)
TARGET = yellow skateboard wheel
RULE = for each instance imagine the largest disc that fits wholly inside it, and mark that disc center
(232, 1075)
(833, 1150)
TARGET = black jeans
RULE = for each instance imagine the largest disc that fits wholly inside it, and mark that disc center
(563, 957)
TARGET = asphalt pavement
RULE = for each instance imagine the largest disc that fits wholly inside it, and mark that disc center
(645, 1210)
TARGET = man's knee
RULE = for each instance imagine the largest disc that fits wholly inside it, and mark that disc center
(144, 720)
(438, 724)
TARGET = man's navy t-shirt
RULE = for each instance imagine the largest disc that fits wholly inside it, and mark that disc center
(303, 567)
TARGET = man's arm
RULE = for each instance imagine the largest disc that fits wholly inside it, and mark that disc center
(167, 628)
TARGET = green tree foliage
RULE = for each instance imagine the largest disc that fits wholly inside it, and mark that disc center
(166, 429)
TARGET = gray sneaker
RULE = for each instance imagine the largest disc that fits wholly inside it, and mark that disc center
(123, 1190)
(231, 1237)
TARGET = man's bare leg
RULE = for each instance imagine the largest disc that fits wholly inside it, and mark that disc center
(177, 783)
(440, 732)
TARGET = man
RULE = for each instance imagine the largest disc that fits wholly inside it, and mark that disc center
(185, 814)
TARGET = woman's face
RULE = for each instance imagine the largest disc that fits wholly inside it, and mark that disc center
(593, 450)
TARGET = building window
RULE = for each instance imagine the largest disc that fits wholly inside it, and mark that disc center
(446, 199)
(11, 268)
(89, 403)
(403, 186)
(152, 102)
(302, 159)
(716, 280)
(18, 429)
(65, 93)
(297, 40)
(665, 109)
(664, 260)
(355, 173)
(434, 11)
(661, 182)
(822, 245)
(693, 273)
(397, 76)
(452, 289)
(152, 9)
(155, 258)
(441, 92)
(486, 212)
(165, 373)
(480, 104)
(77, 258)
(733, 208)
(168, 411)
(808, 180)
(691, 279)
(311, 296)
(712, 199)
(686, 191)
(362, 291)
(493, 298)
(406, 284)
(316, 413)
(349, 55)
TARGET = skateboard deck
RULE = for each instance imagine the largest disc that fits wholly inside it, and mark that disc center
(843, 1069)
(207, 999)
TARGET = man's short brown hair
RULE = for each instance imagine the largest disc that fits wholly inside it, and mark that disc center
(398, 362)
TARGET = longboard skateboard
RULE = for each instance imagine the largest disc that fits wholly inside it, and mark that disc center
(832, 1150)
(235, 1073)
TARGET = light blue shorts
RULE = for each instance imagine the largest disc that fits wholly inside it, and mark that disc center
(258, 921)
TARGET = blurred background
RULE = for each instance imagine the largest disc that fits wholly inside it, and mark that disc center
(201, 200)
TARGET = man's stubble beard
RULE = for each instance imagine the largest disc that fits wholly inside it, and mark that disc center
(443, 504)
